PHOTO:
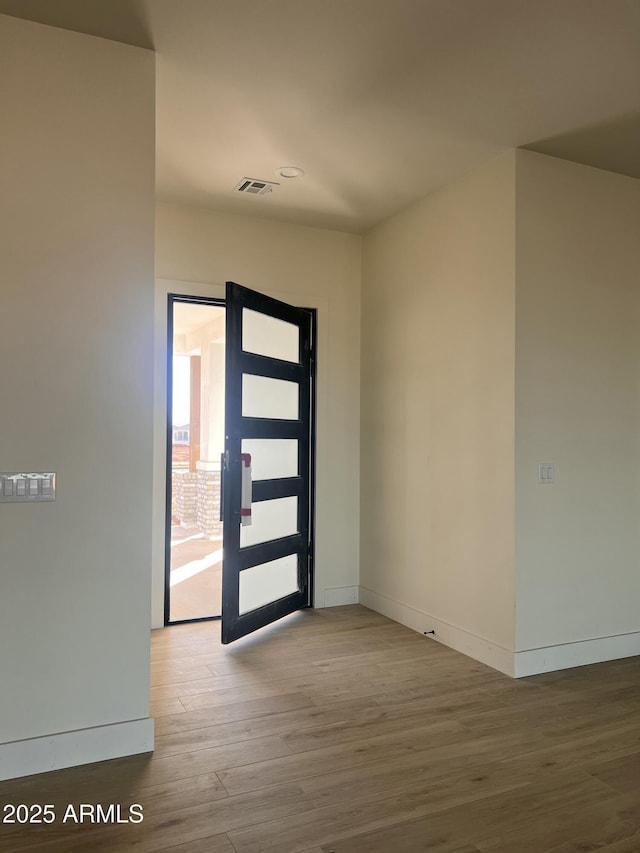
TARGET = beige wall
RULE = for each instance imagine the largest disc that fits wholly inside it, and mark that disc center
(76, 297)
(437, 481)
(523, 275)
(577, 405)
(197, 251)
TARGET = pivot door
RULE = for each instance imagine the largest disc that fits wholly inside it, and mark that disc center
(267, 463)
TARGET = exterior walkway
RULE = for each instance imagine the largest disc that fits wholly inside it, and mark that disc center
(196, 575)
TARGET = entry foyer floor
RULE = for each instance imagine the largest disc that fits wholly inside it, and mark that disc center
(339, 731)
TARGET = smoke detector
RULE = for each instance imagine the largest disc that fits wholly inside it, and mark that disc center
(290, 172)
(251, 186)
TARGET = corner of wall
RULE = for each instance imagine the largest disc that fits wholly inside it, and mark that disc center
(71, 749)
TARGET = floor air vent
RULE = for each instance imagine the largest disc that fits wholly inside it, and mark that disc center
(251, 186)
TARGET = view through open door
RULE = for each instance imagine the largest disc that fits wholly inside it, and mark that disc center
(268, 464)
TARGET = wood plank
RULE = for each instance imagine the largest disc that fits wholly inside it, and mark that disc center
(221, 714)
(298, 766)
(603, 825)
(622, 773)
(307, 717)
(165, 707)
(404, 821)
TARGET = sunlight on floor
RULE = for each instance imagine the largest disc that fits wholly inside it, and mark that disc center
(175, 542)
(195, 567)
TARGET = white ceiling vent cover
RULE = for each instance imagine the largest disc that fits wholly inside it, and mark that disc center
(251, 186)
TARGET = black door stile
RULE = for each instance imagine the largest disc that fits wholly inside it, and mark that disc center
(237, 559)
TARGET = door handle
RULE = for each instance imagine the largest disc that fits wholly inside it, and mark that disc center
(246, 490)
(223, 465)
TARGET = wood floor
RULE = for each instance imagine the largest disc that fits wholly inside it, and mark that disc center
(340, 731)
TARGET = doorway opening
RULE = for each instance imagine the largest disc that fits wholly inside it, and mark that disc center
(195, 443)
(240, 447)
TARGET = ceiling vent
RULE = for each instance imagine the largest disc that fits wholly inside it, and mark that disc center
(251, 186)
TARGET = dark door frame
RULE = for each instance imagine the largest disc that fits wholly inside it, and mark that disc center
(172, 298)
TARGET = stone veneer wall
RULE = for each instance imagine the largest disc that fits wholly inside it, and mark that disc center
(209, 499)
(184, 508)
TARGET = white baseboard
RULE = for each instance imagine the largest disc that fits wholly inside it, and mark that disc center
(567, 655)
(70, 749)
(518, 664)
(338, 595)
(456, 638)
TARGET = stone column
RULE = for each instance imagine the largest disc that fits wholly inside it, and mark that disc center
(185, 497)
(208, 474)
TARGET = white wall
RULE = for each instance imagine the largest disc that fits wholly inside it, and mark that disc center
(522, 275)
(437, 481)
(577, 405)
(196, 252)
(76, 301)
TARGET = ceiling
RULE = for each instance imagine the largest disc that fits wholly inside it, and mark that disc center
(188, 317)
(379, 101)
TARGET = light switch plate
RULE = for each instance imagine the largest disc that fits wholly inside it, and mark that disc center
(546, 472)
(27, 487)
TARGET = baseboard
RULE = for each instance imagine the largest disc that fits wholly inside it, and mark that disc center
(582, 653)
(339, 595)
(70, 749)
(449, 635)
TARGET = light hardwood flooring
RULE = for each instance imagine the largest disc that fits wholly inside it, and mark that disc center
(338, 731)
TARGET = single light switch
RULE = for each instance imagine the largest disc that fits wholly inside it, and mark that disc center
(8, 487)
(21, 486)
(33, 486)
